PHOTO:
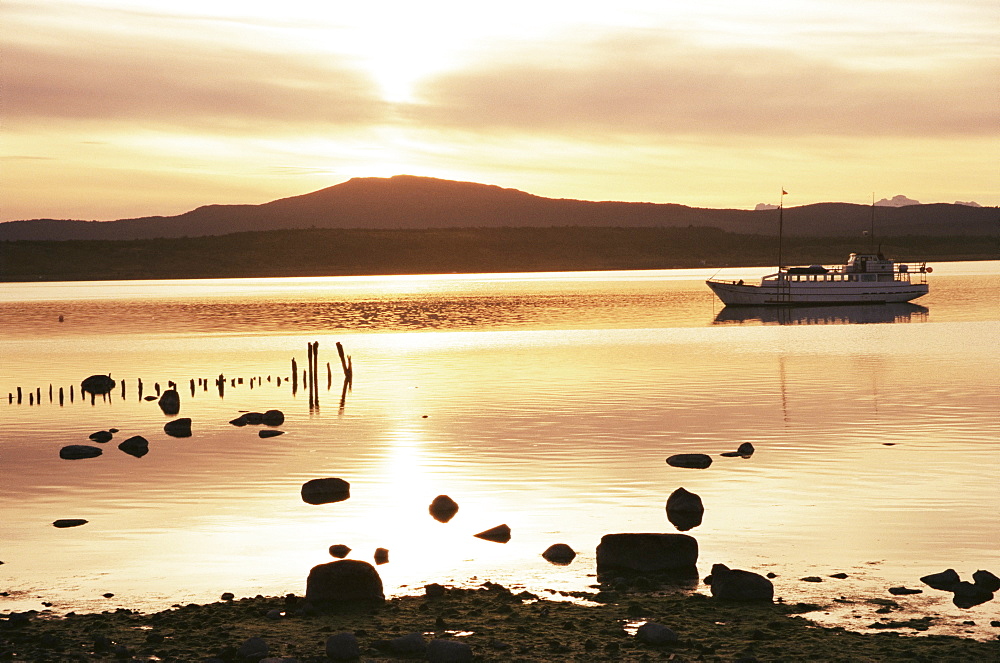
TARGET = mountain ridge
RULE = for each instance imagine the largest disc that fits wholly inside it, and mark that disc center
(413, 202)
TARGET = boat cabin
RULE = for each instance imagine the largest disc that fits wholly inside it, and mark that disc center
(868, 263)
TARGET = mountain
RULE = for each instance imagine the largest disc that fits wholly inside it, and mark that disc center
(409, 202)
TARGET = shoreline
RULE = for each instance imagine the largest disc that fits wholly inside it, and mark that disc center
(496, 623)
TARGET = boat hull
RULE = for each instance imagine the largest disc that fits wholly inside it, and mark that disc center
(811, 294)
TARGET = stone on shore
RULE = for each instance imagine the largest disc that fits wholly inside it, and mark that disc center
(98, 384)
(342, 647)
(693, 461)
(443, 508)
(648, 553)
(178, 427)
(137, 446)
(170, 402)
(253, 649)
(78, 451)
(405, 645)
(344, 582)
(448, 651)
(655, 634)
(739, 585)
(559, 554)
(498, 534)
(946, 580)
(325, 491)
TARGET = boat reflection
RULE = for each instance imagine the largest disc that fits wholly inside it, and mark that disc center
(822, 315)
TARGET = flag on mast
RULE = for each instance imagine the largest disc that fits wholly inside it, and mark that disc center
(784, 193)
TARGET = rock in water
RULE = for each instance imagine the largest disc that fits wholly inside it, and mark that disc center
(339, 550)
(69, 522)
(443, 508)
(986, 580)
(559, 554)
(273, 418)
(98, 384)
(78, 451)
(101, 436)
(178, 427)
(137, 446)
(344, 582)
(745, 450)
(264, 434)
(684, 509)
(648, 553)
(325, 491)
(739, 585)
(498, 534)
(946, 580)
(968, 595)
(170, 402)
(693, 461)
(381, 556)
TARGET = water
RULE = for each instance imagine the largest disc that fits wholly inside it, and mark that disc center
(548, 402)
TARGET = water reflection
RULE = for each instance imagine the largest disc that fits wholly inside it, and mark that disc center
(823, 315)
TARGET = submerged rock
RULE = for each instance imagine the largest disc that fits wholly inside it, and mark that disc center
(344, 581)
(325, 491)
(739, 585)
(98, 384)
(498, 534)
(745, 450)
(693, 461)
(443, 508)
(78, 451)
(559, 554)
(648, 553)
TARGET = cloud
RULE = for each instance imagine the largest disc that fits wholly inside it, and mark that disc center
(127, 72)
(660, 84)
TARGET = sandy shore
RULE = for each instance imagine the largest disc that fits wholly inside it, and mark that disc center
(497, 624)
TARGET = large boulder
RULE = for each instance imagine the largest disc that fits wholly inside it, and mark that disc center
(986, 580)
(78, 451)
(648, 553)
(968, 595)
(739, 585)
(98, 384)
(559, 554)
(684, 509)
(346, 581)
(178, 427)
(325, 491)
(170, 402)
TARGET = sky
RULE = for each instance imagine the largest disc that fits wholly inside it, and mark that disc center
(124, 108)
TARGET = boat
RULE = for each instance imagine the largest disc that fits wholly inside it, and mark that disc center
(866, 278)
(811, 314)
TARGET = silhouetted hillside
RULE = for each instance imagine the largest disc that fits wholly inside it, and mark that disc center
(407, 202)
(337, 252)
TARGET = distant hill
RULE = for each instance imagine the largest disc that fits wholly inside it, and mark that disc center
(408, 202)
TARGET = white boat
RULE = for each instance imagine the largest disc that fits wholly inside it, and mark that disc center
(865, 279)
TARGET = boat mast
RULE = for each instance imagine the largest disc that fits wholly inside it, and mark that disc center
(781, 222)
(871, 233)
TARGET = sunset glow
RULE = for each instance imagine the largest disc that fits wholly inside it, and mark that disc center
(123, 108)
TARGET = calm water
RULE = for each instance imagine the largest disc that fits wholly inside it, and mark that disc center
(548, 402)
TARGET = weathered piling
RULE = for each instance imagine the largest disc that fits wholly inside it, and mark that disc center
(18, 395)
(345, 362)
(60, 395)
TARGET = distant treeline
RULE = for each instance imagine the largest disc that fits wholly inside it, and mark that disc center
(338, 252)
